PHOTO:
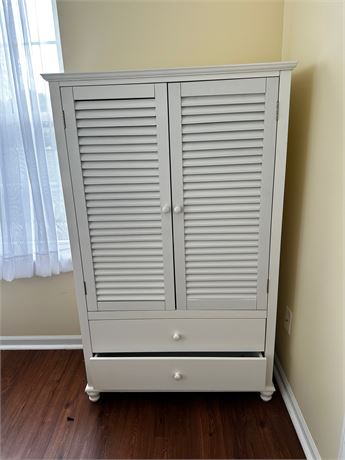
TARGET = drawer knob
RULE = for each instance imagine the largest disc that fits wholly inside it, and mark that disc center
(177, 375)
(176, 336)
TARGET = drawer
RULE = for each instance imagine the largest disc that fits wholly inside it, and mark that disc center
(160, 335)
(178, 373)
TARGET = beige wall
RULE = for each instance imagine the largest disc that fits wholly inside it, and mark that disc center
(312, 276)
(104, 35)
(39, 306)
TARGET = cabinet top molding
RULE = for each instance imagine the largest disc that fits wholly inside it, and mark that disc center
(177, 73)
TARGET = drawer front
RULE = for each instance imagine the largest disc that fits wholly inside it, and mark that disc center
(178, 374)
(157, 335)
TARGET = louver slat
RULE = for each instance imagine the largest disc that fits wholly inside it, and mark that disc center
(116, 141)
(222, 118)
(215, 127)
(117, 203)
(121, 159)
(198, 110)
(222, 165)
(120, 135)
(115, 122)
(135, 148)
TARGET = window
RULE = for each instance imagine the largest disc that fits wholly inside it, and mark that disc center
(33, 230)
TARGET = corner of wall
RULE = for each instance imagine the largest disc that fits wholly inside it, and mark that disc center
(311, 280)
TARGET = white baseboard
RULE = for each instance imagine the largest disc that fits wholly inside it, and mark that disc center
(341, 455)
(299, 423)
(41, 342)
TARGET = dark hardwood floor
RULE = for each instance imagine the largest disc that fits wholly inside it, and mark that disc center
(45, 414)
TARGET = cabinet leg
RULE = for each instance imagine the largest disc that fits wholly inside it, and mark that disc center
(266, 395)
(92, 393)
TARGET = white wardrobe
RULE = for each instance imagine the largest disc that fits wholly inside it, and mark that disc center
(173, 182)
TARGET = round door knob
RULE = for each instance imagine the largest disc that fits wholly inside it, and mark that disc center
(177, 375)
(177, 209)
(166, 209)
(176, 336)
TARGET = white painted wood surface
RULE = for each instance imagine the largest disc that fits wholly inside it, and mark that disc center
(178, 314)
(268, 69)
(341, 455)
(176, 167)
(195, 374)
(129, 93)
(158, 335)
(277, 218)
(222, 149)
(165, 186)
(122, 184)
(40, 342)
(66, 179)
(79, 196)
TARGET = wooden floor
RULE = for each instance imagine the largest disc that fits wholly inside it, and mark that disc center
(45, 414)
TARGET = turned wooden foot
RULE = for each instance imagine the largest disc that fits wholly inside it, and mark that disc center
(92, 393)
(266, 395)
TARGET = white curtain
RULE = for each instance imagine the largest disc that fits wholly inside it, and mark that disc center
(33, 232)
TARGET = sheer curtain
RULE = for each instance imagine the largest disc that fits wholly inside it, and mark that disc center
(33, 231)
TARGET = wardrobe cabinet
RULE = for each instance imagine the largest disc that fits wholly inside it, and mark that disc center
(173, 182)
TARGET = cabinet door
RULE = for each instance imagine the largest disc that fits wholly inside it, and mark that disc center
(222, 136)
(118, 148)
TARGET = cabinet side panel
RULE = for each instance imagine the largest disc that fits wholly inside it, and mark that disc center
(277, 217)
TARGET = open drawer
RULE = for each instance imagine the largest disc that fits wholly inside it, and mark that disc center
(226, 372)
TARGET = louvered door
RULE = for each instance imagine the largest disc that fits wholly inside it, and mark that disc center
(118, 147)
(222, 136)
